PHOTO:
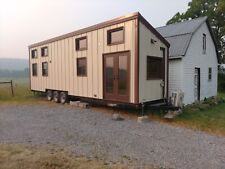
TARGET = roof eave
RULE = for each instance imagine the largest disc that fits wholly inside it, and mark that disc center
(118, 20)
(152, 29)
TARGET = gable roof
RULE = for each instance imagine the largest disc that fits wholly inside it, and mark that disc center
(118, 20)
(179, 35)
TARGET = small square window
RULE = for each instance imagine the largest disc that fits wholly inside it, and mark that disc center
(34, 69)
(81, 67)
(45, 69)
(81, 43)
(155, 68)
(44, 51)
(210, 74)
(34, 53)
(115, 36)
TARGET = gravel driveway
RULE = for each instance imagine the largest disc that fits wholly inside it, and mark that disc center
(92, 133)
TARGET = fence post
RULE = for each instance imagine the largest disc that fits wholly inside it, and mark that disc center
(12, 87)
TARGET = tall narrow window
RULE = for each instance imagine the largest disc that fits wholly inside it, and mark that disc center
(34, 69)
(44, 51)
(34, 53)
(115, 36)
(210, 74)
(81, 67)
(45, 69)
(81, 43)
(155, 68)
(204, 43)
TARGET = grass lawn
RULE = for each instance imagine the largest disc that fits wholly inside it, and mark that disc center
(210, 118)
(25, 157)
(22, 92)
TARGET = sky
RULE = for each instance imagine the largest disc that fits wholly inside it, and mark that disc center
(24, 22)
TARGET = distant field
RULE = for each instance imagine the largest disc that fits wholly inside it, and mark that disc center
(22, 92)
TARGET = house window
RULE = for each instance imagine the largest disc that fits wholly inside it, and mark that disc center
(34, 69)
(45, 69)
(81, 43)
(34, 53)
(44, 51)
(154, 68)
(81, 67)
(210, 74)
(115, 36)
(204, 43)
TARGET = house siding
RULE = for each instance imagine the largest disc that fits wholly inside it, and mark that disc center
(195, 58)
(149, 90)
(62, 58)
(175, 75)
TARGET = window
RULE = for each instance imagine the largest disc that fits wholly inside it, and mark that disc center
(34, 53)
(45, 69)
(81, 67)
(44, 51)
(204, 43)
(210, 74)
(34, 69)
(115, 36)
(81, 43)
(155, 68)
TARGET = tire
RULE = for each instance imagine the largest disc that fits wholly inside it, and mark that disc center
(63, 97)
(56, 96)
(49, 95)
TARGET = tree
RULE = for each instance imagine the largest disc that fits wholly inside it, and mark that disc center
(215, 11)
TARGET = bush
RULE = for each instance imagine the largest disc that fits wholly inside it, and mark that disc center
(221, 82)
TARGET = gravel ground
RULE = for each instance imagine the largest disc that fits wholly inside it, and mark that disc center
(92, 133)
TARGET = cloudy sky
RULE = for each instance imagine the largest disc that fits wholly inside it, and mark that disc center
(23, 22)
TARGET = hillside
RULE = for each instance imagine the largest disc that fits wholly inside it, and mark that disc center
(13, 64)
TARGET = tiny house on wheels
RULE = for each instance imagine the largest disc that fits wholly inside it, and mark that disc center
(124, 60)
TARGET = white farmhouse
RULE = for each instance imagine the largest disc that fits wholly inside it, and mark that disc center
(193, 59)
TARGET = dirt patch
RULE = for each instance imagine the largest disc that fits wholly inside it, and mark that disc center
(27, 157)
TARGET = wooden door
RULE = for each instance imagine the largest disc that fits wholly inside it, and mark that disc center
(117, 77)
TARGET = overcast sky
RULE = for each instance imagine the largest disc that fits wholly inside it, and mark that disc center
(24, 22)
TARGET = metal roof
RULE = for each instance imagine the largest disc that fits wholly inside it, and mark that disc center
(181, 28)
(179, 35)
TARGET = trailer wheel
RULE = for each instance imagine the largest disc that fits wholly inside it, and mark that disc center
(56, 96)
(63, 97)
(49, 95)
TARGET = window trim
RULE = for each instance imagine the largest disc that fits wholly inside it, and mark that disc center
(33, 69)
(114, 30)
(210, 74)
(78, 74)
(162, 70)
(46, 75)
(35, 57)
(42, 53)
(77, 44)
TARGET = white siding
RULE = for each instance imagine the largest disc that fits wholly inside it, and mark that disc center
(196, 58)
(175, 75)
(149, 90)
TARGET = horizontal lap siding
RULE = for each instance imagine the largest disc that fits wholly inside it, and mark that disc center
(62, 63)
(175, 76)
(149, 90)
(196, 58)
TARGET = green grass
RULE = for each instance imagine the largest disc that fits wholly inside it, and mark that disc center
(208, 117)
(211, 120)
(22, 92)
